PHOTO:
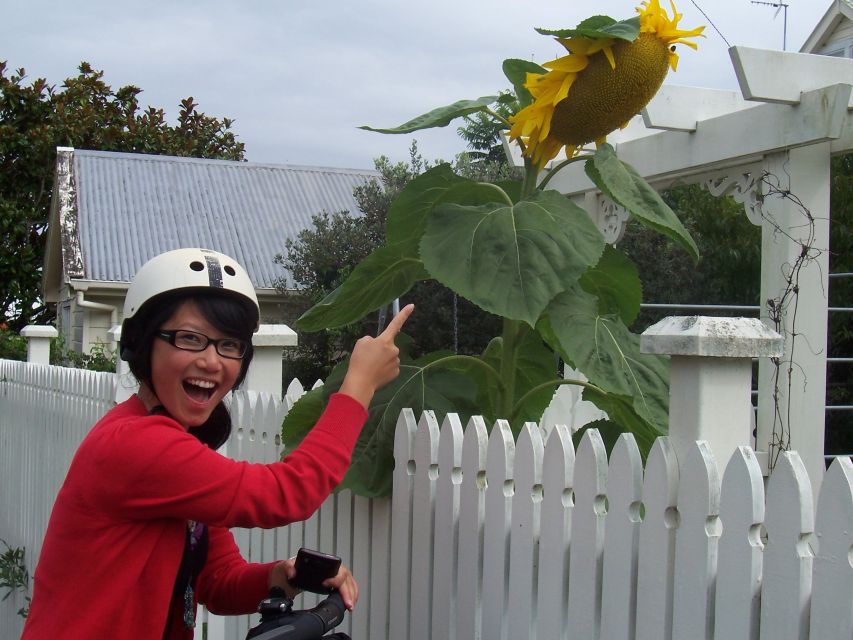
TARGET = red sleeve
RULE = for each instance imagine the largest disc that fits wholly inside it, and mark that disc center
(149, 467)
(228, 585)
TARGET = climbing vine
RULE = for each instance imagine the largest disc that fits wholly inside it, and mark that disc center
(786, 305)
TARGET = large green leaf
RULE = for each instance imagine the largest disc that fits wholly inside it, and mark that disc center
(598, 27)
(418, 387)
(407, 215)
(621, 183)
(440, 117)
(511, 260)
(384, 275)
(607, 429)
(302, 416)
(616, 283)
(607, 353)
(512, 188)
(516, 72)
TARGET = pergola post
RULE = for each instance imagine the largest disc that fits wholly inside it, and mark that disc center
(795, 260)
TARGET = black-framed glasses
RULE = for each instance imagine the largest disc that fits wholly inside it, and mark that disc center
(233, 348)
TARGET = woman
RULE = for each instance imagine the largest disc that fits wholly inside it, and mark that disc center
(139, 531)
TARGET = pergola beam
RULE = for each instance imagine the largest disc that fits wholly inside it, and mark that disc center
(782, 76)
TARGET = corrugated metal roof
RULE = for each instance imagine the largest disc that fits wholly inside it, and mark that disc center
(132, 207)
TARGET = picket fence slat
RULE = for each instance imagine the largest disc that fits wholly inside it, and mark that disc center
(524, 533)
(446, 528)
(558, 464)
(696, 545)
(401, 525)
(656, 561)
(423, 514)
(352, 544)
(832, 587)
(739, 561)
(500, 459)
(472, 509)
(621, 540)
(379, 591)
(587, 547)
(788, 557)
(485, 537)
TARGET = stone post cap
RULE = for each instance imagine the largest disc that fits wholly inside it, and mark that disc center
(711, 336)
(39, 331)
(275, 335)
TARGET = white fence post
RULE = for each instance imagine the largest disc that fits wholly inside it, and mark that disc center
(265, 371)
(38, 342)
(710, 379)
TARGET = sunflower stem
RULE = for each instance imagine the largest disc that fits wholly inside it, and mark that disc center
(513, 332)
(531, 173)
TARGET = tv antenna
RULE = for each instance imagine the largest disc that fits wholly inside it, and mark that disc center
(780, 6)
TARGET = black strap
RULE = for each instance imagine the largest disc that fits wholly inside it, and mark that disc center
(192, 560)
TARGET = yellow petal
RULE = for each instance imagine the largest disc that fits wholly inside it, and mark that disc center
(569, 64)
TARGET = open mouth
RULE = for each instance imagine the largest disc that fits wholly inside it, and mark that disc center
(199, 390)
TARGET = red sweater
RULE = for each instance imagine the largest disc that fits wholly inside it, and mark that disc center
(116, 535)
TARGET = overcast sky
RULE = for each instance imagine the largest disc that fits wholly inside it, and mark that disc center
(299, 77)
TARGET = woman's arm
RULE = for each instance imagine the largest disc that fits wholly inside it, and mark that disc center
(149, 467)
(228, 585)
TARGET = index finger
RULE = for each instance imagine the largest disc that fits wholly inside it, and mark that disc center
(396, 325)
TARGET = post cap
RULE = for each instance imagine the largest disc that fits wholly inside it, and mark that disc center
(275, 335)
(712, 336)
(39, 331)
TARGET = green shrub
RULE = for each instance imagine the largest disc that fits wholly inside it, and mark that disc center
(12, 345)
(14, 575)
(100, 358)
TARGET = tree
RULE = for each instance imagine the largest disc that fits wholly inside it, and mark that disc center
(728, 271)
(84, 112)
(486, 160)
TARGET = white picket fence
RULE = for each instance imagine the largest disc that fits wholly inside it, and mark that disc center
(486, 537)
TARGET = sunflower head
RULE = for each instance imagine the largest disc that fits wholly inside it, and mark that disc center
(611, 72)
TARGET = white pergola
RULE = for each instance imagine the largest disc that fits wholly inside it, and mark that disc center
(792, 113)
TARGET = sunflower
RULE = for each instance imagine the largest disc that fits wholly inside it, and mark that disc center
(599, 86)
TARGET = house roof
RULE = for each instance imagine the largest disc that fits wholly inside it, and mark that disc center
(114, 211)
(837, 12)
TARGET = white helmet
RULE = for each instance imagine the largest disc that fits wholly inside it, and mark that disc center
(188, 269)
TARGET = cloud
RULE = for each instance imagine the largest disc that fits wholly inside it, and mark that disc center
(298, 78)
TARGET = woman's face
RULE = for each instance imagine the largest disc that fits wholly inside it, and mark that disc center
(190, 384)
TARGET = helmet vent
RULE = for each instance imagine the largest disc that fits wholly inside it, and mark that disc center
(229, 270)
(195, 265)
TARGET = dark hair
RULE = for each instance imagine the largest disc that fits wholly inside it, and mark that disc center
(228, 314)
